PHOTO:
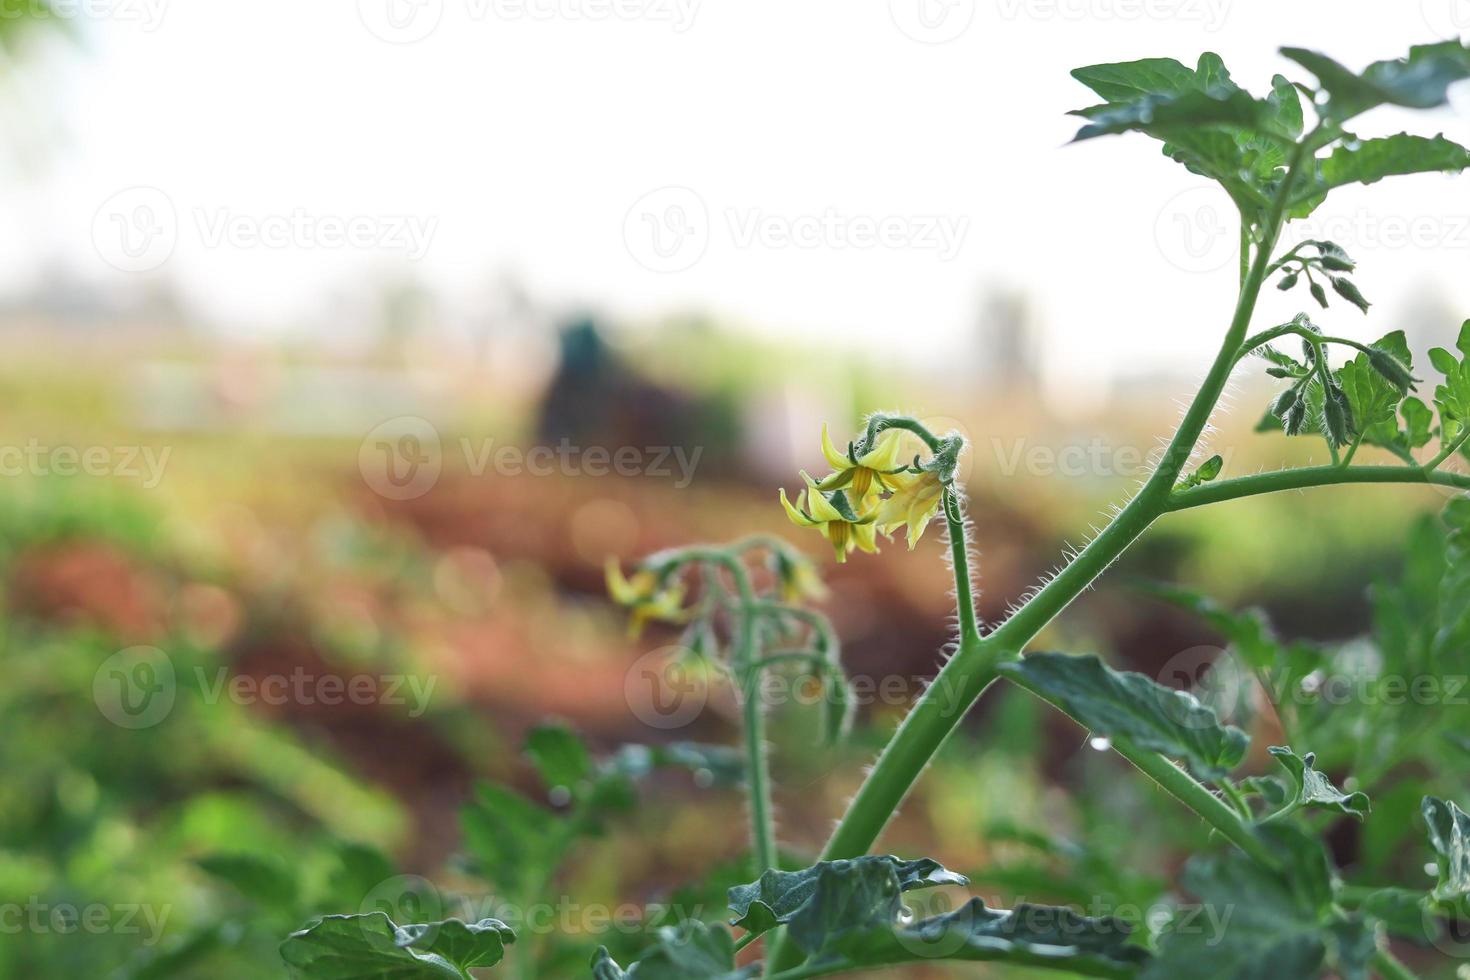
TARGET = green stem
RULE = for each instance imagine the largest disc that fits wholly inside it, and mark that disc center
(972, 669)
(1180, 785)
(1388, 965)
(1448, 451)
(960, 557)
(753, 729)
(1307, 477)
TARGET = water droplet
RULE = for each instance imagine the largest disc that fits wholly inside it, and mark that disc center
(1101, 743)
(559, 796)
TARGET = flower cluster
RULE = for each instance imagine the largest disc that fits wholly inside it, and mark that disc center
(868, 492)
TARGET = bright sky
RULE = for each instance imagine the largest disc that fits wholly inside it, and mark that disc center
(858, 171)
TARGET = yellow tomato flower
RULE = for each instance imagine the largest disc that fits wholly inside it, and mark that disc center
(869, 473)
(915, 501)
(834, 516)
(798, 579)
(645, 597)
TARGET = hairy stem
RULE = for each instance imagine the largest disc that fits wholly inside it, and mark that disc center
(1310, 476)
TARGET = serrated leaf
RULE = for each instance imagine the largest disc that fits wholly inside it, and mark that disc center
(1131, 707)
(1449, 835)
(1252, 923)
(1045, 937)
(779, 897)
(693, 950)
(1368, 161)
(510, 840)
(1352, 942)
(1376, 400)
(560, 757)
(1419, 81)
(372, 947)
(1311, 788)
(262, 880)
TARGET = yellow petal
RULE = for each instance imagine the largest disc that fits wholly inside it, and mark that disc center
(821, 508)
(797, 517)
(884, 454)
(618, 587)
(836, 460)
(865, 536)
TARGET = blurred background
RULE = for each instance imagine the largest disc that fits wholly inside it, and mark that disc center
(346, 342)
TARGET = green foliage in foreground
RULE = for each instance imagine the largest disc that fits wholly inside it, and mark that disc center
(1279, 906)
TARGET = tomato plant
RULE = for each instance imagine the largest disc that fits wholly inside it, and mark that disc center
(1277, 158)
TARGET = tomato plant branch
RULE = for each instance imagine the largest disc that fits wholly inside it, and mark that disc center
(1306, 477)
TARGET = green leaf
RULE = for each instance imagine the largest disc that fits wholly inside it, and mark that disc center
(1372, 384)
(712, 765)
(1252, 923)
(371, 947)
(1130, 80)
(1353, 941)
(1133, 708)
(1419, 81)
(691, 951)
(1368, 161)
(1206, 121)
(1452, 398)
(361, 869)
(1208, 471)
(1045, 937)
(1161, 114)
(781, 897)
(1313, 789)
(560, 757)
(1449, 835)
(510, 840)
(264, 881)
